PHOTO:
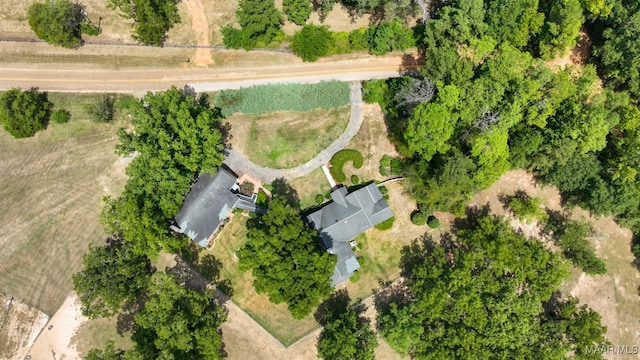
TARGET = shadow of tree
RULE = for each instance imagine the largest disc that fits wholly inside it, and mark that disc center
(337, 303)
(282, 188)
(125, 322)
(470, 221)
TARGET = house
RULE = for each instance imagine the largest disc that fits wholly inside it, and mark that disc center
(209, 202)
(348, 215)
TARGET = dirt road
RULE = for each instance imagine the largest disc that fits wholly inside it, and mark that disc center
(49, 77)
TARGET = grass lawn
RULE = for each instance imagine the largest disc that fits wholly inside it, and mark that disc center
(274, 318)
(287, 139)
(94, 334)
(51, 186)
(310, 185)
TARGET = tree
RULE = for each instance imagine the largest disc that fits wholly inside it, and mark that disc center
(112, 276)
(388, 36)
(58, 22)
(24, 113)
(298, 11)
(312, 42)
(178, 323)
(514, 22)
(152, 18)
(485, 295)
(260, 21)
(287, 260)
(561, 29)
(346, 334)
(175, 137)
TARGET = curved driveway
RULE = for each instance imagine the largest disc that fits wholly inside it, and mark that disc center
(239, 163)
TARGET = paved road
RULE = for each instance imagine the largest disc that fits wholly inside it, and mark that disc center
(240, 163)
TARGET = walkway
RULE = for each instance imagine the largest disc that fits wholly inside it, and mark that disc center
(240, 164)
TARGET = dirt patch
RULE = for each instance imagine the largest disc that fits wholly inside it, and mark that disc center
(578, 56)
(200, 26)
(20, 325)
(55, 339)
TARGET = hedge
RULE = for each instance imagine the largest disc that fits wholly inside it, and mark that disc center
(260, 99)
(342, 157)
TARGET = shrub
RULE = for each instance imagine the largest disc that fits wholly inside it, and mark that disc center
(61, 116)
(374, 91)
(386, 225)
(387, 37)
(104, 110)
(260, 99)
(525, 207)
(433, 222)
(312, 42)
(90, 29)
(355, 180)
(262, 198)
(342, 157)
(418, 218)
(237, 210)
(319, 199)
(355, 277)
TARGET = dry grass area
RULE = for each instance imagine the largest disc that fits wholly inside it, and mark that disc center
(52, 186)
(613, 295)
(19, 326)
(94, 334)
(286, 139)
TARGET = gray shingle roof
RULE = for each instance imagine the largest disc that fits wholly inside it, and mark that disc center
(210, 201)
(343, 219)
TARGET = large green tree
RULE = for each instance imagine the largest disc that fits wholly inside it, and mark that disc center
(24, 113)
(152, 18)
(112, 275)
(260, 21)
(346, 333)
(174, 137)
(287, 260)
(486, 296)
(297, 11)
(58, 22)
(178, 323)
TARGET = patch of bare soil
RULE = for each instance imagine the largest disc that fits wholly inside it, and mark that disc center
(20, 324)
(200, 26)
(579, 55)
(55, 339)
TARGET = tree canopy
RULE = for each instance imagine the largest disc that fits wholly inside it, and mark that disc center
(24, 113)
(312, 42)
(346, 333)
(174, 137)
(286, 258)
(298, 11)
(112, 275)
(489, 293)
(178, 323)
(260, 21)
(58, 22)
(152, 18)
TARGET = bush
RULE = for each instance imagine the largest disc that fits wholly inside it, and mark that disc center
(319, 199)
(355, 277)
(90, 29)
(524, 207)
(237, 210)
(418, 218)
(104, 110)
(387, 37)
(260, 99)
(386, 225)
(342, 157)
(262, 198)
(355, 180)
(312, 42)
(433, 222)
(61, 116)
